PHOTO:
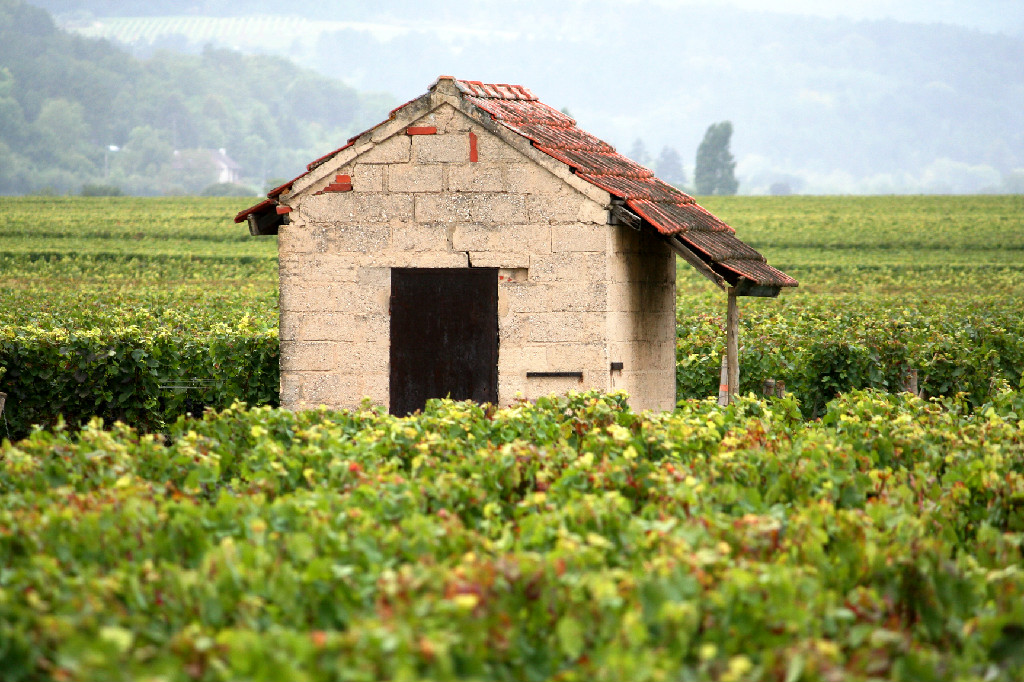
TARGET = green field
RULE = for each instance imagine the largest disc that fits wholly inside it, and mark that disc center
(888, 284)
(834, 534)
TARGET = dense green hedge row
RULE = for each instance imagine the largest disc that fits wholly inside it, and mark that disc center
(820, 349)
(140, 377)
(567, 540)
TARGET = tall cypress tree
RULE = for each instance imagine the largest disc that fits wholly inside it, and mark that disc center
(669, 167)
(714, 171)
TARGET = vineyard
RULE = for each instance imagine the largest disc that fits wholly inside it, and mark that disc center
(144, 309)
(843, 532)
(571, 539)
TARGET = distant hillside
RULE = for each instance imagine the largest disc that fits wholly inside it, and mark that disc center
(818, 105)
(77, 111)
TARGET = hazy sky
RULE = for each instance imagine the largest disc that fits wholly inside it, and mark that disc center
(1004, 16)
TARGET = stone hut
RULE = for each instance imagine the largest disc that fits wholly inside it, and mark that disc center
(478, 244)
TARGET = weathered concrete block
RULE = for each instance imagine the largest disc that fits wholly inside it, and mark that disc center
(439, 118)
(362, 300)
(344, 238)
(632, 270)
(316, 267)
(396, 149)
(334, 326)
(492, 149)
(458, 122)
(511, 389)
(414, 177)
(572, 357)
(568, 266)
(415, 237)
(624, 239)
(636, 326)
(622, 326)
(377, 386)
(314, 297)
(524, 239)
(517, 359)
(524, 297)
(624, 352)
(513, 330)
(351, 207)
(501, 209)
(367, 177)
(513, 274)
(649, 298)
(475, 177)
(292, 239)
(362, 357)
(529, 178)
(374, 278)
(291, 390)
(315, 356)
(565, 207)
(498, 259)
(650, 390)
(336, 390)
(565, 327)
(427, 259)
(298, 296)
(441, 148)
(624, 297)
(580, 237)
(581, 296)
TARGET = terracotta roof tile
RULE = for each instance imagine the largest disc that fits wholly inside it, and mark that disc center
(670, 211)
(677, 218)
(759, 272)
(640, 189)
(667, 209)
(560, 137)
(265, 205)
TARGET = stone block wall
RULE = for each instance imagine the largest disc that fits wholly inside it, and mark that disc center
(410, 196)
(642, 328)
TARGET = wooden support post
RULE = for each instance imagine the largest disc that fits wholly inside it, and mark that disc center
(723, 383)
(732, 344)
(909, 380)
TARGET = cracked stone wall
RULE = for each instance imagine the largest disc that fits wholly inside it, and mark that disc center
(574, 293)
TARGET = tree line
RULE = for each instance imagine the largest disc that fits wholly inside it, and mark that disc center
(78, 112)
(715, 168)
(80, 115)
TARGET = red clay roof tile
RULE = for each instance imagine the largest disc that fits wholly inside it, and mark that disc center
(670, 211)
(667, 209)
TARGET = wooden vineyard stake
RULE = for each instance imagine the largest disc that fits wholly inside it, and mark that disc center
(732, 344)
(909, 381)
(723, 383)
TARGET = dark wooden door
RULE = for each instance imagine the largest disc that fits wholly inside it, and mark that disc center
(444, 336)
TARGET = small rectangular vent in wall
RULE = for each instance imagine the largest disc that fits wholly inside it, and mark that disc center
(548, 375)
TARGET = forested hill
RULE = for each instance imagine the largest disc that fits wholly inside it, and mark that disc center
(77, 111)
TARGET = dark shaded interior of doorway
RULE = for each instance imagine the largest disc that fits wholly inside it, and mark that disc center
(444, 336)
